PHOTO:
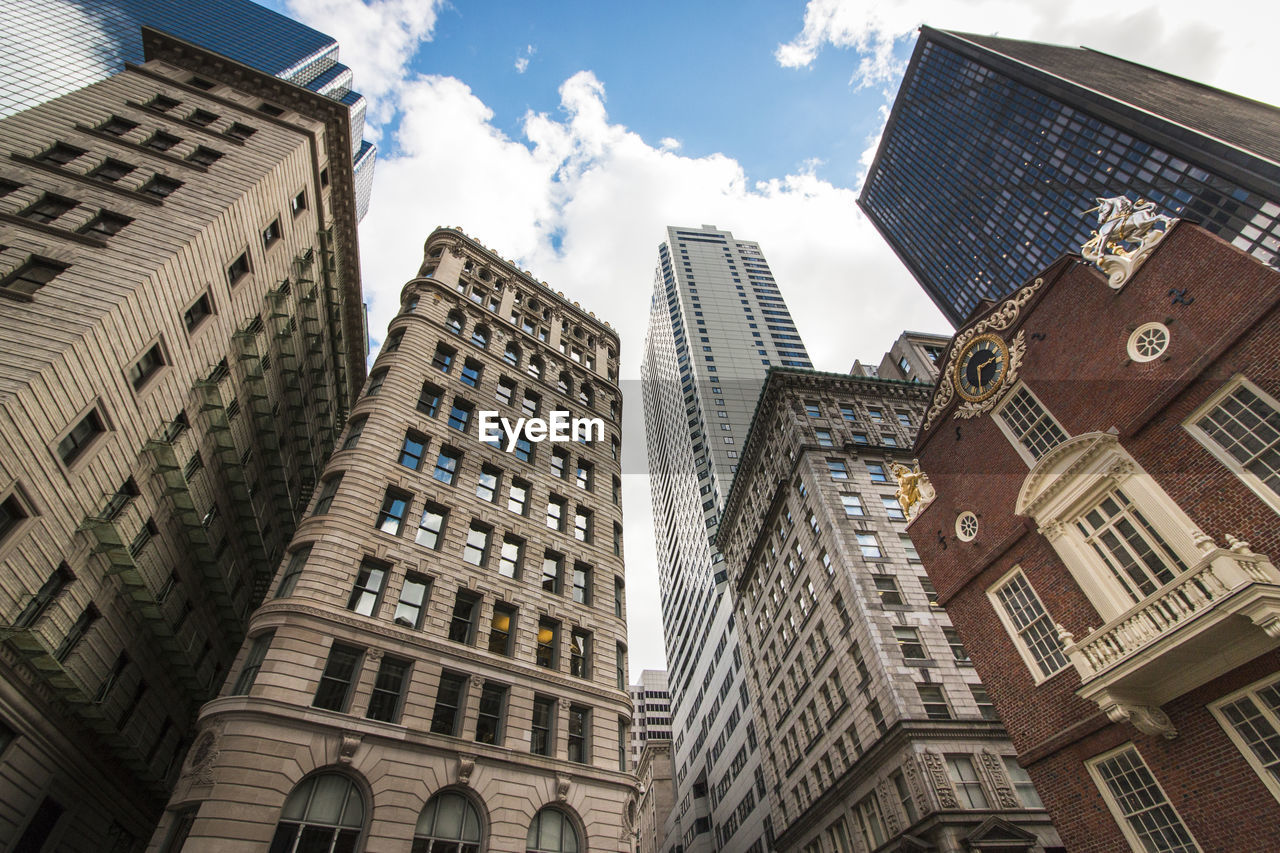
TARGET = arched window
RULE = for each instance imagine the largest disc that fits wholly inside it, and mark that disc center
(448, 824)
(552, 832)
(324, 814)
(480, 335)
(564, 383)
(512, 355)
(455, 322)
(535, 367)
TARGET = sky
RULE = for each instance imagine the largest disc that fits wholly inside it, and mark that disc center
(566, 136)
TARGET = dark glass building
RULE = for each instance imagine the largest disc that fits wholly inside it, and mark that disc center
(52, 47)
(994, 147)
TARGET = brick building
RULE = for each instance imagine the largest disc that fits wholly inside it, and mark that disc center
(441, 663)
(1106, 473)
(182, 337)
(875, 730)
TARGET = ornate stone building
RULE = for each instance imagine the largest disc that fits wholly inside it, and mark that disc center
(876, 732)
(182, 325)
(442, 657)
(657, 794)
(1104, 532)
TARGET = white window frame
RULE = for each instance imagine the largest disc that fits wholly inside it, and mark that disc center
(1122, 820)
(1038, 676)
(1215, 708)
(1250, 479)
(998, 418)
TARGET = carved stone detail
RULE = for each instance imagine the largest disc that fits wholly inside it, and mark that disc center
(1127, 234)
(348, 746)
(916, 785)
(999, 780)
(562, 787)
(937, 770)
(203, 756)
(1017, 350)
(1053, 530)
(1148, 719)
(374, 655)
(887, 796)
(466, 766)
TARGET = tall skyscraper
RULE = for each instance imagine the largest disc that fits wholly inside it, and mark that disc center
(442, 661)
(182, 330)
(717, 323)
(51, 47)
(995, 145)
(652, 719)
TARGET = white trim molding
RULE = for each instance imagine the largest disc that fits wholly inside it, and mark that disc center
(1258, 708)
(1192, 425)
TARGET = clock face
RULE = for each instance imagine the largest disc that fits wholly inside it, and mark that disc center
(981, 368)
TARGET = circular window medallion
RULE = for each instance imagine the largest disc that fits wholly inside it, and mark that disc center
(966, 526)
(1148, 342)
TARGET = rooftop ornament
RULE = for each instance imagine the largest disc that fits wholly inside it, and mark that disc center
(1127, 233)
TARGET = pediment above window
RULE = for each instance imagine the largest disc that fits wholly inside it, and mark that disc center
(1073, 472)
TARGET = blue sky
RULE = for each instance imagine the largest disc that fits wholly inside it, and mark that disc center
(758, 117)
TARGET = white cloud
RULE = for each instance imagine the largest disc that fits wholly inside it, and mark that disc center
(1201, 41)
(583, 203)
(522, 61)
(669, 143)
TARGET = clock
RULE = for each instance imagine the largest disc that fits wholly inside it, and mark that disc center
(981, 368)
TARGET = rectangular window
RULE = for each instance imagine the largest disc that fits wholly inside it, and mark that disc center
(272, 233)
(501, 629)
(582, 525)
(892, 508)
(555, 513)
(965, 777)
(298, 203)
(391, 515)
(824, 438)
(582, 583)
(368, 588)
(909, 548)
(48, 208)
(476, 548)
(518, 497)
(1025, 619)
(869, 546)
(876, 471)
(443, 358)
(870, 822)
(905, 799)
(580, 734)
(1241, 427)
(848, 414)
(1252, 718)
(289, 580)
(105, 224)
(542, 731)
(957, 646)
(559, 463)
(580, 653)
(493, 703)
(354, 429)
(585, 474)
(487, 485)
(1029, 425)
(552, 572)
(462, 624)
(392, 343)
(512, 556)
(1021, 779)
(239, 269)
(339, 674)
(117, 126)
(159, 186)
(376, 378)
(909, 642)
(619, 590)
(1138, 803)
(431, 528)
(620, 663)
(80, 437)
(429, 399)
(447, 717)
(839, 471)
(887, 589)
(547, 653)
(110, 171)
(447, 465)
(415, 444)
(252, 663)
(852, 505)
(460, 415)
(389, 685)
(504, 391)
(413, 600)
(1139, 558)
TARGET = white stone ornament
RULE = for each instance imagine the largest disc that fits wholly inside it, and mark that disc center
(1127, 233)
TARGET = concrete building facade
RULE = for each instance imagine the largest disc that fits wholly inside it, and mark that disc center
(657, 794)
(876, 732)
(717, 322)
(180, 306)
(442, 660)
(651, 719)
(1104, 537)
(912, 358)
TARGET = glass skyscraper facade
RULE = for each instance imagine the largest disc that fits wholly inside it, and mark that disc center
(717, 323)
(51, 47)
(995, 146)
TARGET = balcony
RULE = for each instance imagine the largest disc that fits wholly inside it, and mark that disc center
(1220, 614)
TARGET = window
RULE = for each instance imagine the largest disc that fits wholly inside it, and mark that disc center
(493, 700)
(163, 103)
(199, 311)
(585, 474)
(582, 525)
(81, 436)
(30, 277)
(619, 591)
(892, 508)
(511, 355)
(1022, 785)
(518, 497)
(325, 812)
(501, 629)
(443, 358)
(448, 824)
(479, 332)
(391, 515)
(547, 652)
(524, 449)
(368, 588)
(110, 171)
(552, 572)
(289, 580)
(413, 600)
(1138, 557)
(861, 438)
(354, 430)
(904, 419)
(117, 126)
(848, 414)
(252, 664)
(298, 203)
(839, 471)
(1252, 718)
(392, 343)
(905, 799)
(1240, 425)
(389, 685)
(429, 399)
(812, 409)
(239, 269)
(243, 132)
(327, 491)
(1138, 803)
(541, 740)
(580, 653)
(471, 371)
(339, 675)
(376, 378)
(852, 505)
(887, 589)
(460, 414)
(1025, 619)
(559, 463)
(505, 391)
(1029, 425)
(447, 716)
(476, 548)
(620, 665)
(49, 590)
(824, 438)
(870, 822)
(968, 786)
(462, 624)
(869, 546)
(415, 444)
(579, 734)
(909, 643)
(957, 646)
(876, 470)
(487, 485)
(581, 583)
(909, 549)
(204, 156)
(159, 185)
(447, 465)
(161, 141)
(105, 224)
(555, 512)
(552, 832)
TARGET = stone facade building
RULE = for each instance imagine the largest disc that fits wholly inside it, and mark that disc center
(652, 715)
(1104, 534)
(912, 358)
(876, 732)
(183, 335)
(657, 794)
(442, 658)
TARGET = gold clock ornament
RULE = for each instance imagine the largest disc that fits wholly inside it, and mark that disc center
(981, 369)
